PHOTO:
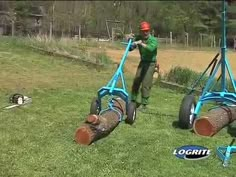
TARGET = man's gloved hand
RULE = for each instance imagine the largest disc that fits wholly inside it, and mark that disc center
(137, 42)
(132, 47)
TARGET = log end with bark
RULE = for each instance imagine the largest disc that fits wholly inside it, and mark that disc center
(204, 127)
(83, 135)
(214, 121)
(96, 127)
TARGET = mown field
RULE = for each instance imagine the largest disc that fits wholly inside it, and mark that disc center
(38, 139)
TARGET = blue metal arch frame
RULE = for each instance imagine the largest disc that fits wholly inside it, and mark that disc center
(222, 96)
(111, 88)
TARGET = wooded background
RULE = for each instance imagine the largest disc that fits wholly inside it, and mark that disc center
(200, 21)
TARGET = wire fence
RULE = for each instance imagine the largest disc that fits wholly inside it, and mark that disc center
(196, 40)
(168, 39)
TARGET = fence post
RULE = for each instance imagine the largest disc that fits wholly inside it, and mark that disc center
(79, 32)
(214, 41)
(112, 34)
(186, 34)
(12, 28)
(200, 40)
(170, 38)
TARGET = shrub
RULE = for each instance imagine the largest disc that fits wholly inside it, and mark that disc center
(187, 77)
(179, 75)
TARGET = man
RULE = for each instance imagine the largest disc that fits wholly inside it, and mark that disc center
(147, 45)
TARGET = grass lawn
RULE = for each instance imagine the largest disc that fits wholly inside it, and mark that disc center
(37, 140)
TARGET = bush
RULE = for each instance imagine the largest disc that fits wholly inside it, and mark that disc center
(103, 58)
(187, 77)
(182, 76)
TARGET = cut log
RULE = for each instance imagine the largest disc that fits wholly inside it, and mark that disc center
(214, 121)
(96, 127)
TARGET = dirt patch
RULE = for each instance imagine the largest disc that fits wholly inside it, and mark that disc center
(195, 60)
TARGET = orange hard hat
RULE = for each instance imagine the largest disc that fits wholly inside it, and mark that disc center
(144, 26)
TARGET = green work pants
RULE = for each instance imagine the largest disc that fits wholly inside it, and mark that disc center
(144, 76)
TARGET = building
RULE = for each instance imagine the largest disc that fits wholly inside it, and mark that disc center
(15, 23)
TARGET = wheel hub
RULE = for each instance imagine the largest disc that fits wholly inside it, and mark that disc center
(191, 116)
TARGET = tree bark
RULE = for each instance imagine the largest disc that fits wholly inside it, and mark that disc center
(214, 121)
(96, 127)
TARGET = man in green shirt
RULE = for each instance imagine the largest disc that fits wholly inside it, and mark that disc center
(147, 45)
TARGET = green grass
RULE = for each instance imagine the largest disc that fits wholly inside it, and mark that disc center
(38, 140)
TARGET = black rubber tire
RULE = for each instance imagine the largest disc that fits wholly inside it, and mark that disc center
(185, 112)
(131, 113)
(94, 107)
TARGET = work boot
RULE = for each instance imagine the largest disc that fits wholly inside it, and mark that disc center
(144, 100)
(142, 108)
(133, 97)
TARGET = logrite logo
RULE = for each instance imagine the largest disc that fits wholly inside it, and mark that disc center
(192, 152)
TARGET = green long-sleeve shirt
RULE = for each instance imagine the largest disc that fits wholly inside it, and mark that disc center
(149, 53)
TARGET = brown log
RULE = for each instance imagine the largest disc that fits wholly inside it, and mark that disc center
(214, 121)
(69, 56)
(96, 127)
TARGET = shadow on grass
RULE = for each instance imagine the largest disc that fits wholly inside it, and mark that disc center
(157, 113)
(231, 130)
(175, 125)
